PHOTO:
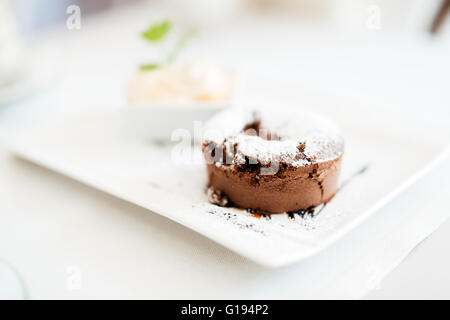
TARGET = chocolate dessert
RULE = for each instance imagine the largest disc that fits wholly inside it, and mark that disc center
(271, 160)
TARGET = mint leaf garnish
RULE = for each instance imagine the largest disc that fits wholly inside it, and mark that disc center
(148, 67)
(157, 31)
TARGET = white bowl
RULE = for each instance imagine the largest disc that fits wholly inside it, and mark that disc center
(161, 121)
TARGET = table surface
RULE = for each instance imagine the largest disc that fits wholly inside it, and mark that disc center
(41, 209)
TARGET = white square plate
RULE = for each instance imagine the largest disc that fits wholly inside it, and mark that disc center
(97, 149)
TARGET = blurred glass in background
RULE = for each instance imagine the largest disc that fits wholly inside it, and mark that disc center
(10, 44)
(37, 15)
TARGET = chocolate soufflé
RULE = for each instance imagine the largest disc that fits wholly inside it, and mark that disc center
(272, 160)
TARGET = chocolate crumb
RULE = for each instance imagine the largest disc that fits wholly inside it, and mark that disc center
(301, 147)
(217, 197)
(302, 213)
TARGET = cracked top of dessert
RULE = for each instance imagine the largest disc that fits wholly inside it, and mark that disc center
(266, 135)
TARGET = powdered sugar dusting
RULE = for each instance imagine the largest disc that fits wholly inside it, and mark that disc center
(301, 137)
(274, 225)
